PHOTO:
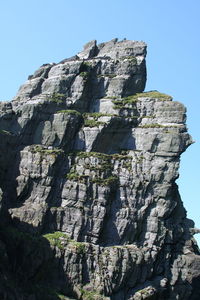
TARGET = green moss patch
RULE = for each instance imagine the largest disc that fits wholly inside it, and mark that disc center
(57, 238)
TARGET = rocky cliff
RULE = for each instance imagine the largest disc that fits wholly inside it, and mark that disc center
(89, 204)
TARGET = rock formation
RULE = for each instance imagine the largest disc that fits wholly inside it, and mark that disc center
(89, 204)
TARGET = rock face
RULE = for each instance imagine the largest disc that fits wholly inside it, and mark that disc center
(89, 204)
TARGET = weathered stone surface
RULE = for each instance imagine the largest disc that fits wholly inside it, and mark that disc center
(114, 69)
(89, 204)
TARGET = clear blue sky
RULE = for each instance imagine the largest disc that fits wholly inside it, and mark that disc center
(39, 31)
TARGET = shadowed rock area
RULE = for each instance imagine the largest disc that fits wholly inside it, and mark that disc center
(89, 204)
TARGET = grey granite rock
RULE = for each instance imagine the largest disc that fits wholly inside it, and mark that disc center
(89, 204)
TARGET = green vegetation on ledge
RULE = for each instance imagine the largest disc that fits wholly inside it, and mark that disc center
(56, 97)
(42, 150)
(92, 123)
(91, 119)
(80, 246)
(91, 294)
(109, 180)
(156, 125)
(74, 176)
(154, 95)
(59, 239)
(132, 99)
(120, 104)
(56, 239)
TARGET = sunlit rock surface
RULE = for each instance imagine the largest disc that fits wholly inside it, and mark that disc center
(89, 204)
